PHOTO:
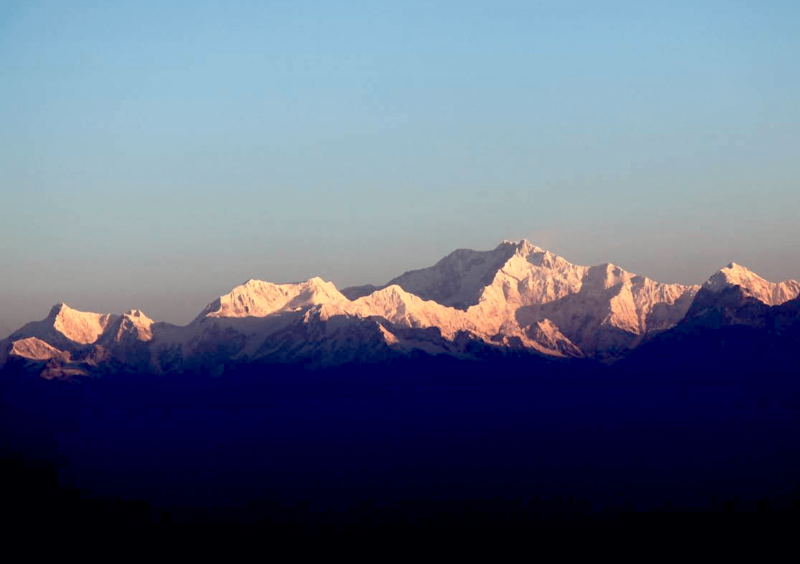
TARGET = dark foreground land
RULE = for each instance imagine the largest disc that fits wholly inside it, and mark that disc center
(419, 443)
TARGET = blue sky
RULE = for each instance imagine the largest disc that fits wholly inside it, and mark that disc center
(155, 154)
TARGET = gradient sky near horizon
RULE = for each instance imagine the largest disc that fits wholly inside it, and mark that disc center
(156, 154)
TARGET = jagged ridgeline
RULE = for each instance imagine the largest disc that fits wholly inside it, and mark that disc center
(516, 300)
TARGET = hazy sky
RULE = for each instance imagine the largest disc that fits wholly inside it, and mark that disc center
(156, 154)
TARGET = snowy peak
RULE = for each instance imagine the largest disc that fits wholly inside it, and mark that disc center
(34, 349)
(523, 247)
(605, 276)
(256, 298)
(136, 324)
(392, 294)
(753, 285)
(459, 278)
(393, 301)
(526, 254)
(734, 275)
(533, 276)
(79, 326)
(316, 291)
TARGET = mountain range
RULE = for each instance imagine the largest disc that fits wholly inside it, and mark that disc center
(507, 382)
(516, 299)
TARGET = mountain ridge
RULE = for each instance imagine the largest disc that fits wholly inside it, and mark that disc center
(515, 297)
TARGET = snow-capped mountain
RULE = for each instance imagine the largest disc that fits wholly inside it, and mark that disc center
(70, 329)
(521, 290)
(516, 297)
(256, 298)
(71, 342)
(753, 285)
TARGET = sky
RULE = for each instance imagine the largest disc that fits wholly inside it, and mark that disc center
(156, 154)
